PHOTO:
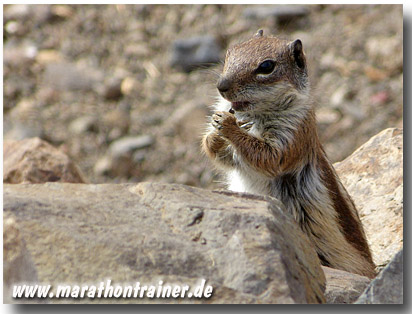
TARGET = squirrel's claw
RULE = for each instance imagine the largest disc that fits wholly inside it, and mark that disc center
(246, 125)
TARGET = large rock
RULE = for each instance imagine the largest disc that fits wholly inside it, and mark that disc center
(245, 246)
(35, 161)
(387, 287)
(373, 175)
(343, 287)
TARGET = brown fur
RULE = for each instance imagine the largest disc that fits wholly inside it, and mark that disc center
(348, 220)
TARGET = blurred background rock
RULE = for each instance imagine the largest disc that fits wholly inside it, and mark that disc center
(125, 89)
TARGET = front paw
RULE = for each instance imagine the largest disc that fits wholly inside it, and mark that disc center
(223, 120)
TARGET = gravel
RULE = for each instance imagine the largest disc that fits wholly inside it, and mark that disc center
(112, 63)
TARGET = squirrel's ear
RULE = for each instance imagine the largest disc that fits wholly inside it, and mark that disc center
(296, 50)
(259, 33)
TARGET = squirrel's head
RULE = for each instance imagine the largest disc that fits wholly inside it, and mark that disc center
(264, 71)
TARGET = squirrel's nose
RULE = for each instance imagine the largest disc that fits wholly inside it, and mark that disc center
(223, 85)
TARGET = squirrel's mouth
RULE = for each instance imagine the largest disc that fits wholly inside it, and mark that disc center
(240, 105)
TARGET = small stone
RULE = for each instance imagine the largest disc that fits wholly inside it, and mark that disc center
(137, 50)
(83, 124)
(339, 96)
(128, 85)
(16, 11)
(12, 27)
(103, 166)
(68, 77)
(380, 48)
(112, 90)
(22, 120)
(343, 287)
(129, 144)
(115, 134)
(24, 109)
(48, 56)
(194, 52)
(327, 61)
(117, 119)
(20, 131)
(138, 156)
(375, 74)
(327, 116)
(283, 14)
(21, 54)
(41, 14)
(62, 11)
(380, 98)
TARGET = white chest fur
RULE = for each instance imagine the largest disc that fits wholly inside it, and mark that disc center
(247, 181)
(244, 179)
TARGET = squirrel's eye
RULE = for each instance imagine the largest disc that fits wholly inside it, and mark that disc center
(266, 67)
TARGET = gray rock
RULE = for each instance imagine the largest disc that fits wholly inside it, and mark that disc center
(128, 144)
(65, 76)
(387, 287)
(245, 246)
(23, 121)
(16, 12)
(190, 53)
(38, 14)
(343, 287)
(283, 14)
(19, 54)
(20, 131)
(121, 157)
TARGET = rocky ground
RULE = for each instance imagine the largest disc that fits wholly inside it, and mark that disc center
(109, 87)
(120, 94)
(246, 246)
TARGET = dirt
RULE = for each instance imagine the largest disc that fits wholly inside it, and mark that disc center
(84, 76)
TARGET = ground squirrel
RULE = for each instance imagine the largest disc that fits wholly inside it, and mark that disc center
(263, 134)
